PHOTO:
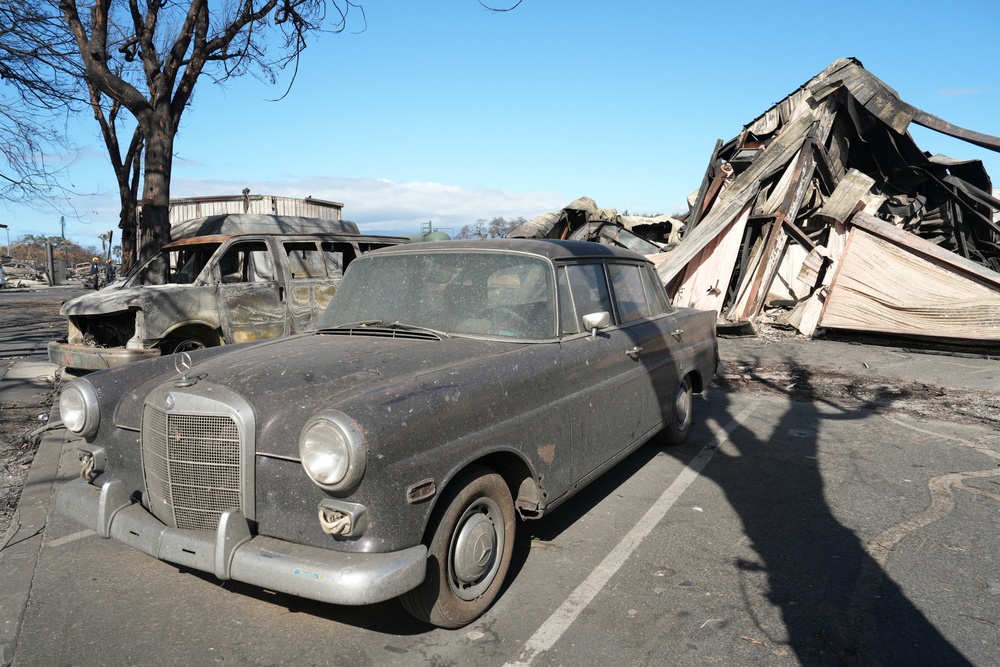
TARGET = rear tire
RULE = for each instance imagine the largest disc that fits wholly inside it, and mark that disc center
(679, 427)
(469, 552)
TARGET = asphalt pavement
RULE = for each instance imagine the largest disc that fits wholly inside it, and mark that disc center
(28, 378)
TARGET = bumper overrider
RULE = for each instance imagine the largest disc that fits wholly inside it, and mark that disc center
(231, 552)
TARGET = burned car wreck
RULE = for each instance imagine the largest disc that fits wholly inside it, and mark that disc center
(449, 388)
(222, 279)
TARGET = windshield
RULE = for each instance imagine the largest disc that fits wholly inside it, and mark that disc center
(178, 266)
(478, 293)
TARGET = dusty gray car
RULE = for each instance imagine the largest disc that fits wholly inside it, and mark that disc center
(450, 388)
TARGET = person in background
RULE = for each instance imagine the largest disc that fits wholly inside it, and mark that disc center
(95, 270)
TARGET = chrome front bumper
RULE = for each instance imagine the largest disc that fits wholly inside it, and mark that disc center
(232, 552)
(88, 357)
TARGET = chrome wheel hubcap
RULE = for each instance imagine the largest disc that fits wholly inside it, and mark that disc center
(682, 407)
(476, 549)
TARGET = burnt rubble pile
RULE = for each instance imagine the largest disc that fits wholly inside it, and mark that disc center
(824, 214)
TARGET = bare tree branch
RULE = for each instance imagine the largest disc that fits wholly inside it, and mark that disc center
(497, 9)
(146, 56)
(39, 86)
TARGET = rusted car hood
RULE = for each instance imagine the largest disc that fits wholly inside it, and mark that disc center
(114, 299)
(287, 380)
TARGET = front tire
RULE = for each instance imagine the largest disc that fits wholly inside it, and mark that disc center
(469, 553)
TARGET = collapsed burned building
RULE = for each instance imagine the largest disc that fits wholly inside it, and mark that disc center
(825, 211)
(584, 220)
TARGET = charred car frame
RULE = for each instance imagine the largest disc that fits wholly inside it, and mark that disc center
(265, 276)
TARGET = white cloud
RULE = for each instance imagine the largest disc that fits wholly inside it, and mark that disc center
(961, 92)
(378, 204)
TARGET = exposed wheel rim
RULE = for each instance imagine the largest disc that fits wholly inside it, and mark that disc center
(189, 345)
(476, 549)
(682, 406)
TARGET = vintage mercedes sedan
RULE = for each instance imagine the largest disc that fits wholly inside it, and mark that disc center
(450, 390)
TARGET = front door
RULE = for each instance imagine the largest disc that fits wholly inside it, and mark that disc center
(250, 293)
(611, 391)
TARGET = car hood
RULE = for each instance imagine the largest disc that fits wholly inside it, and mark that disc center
(288, 380)
(116, 299)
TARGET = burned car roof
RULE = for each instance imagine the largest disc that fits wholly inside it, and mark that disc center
(222, 238)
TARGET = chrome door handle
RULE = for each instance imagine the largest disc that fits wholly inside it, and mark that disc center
(676, 332)
(634, 352)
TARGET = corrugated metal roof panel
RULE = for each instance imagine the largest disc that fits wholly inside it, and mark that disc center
(198, 207)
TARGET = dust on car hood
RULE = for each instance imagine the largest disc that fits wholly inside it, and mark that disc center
(290, 379)
(114, 299)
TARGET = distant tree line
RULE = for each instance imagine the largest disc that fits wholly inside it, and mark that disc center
(496, 228)
(30, 248)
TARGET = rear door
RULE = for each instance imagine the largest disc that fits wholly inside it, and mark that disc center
(315, 269)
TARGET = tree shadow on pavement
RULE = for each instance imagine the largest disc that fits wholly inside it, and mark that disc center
(837, 605)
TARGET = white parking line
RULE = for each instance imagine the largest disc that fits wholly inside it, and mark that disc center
(560, 620)
(70, 538)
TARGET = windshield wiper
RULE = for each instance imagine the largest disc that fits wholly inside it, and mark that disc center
(417, 327)
(352, 325)
(379, 324)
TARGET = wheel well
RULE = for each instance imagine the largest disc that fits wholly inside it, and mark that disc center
(697, 384)
(201, 331)
(517, 475)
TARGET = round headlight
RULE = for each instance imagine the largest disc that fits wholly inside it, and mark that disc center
(78, 408)
(333, 451)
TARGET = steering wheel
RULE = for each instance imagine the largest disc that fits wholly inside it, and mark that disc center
(510, 316)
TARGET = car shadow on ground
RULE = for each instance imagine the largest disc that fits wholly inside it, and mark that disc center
(837, 605)
(387, 617)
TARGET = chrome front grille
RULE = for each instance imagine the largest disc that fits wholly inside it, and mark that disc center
(192, 467)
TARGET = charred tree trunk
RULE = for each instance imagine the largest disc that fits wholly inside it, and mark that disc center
(128, 223)
(128, 189)
(154, 226)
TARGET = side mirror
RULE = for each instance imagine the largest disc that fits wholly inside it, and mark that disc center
(595, 321)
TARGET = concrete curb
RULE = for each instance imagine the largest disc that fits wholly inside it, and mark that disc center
(19, 557)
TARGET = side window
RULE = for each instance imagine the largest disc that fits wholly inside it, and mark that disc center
(630, 291)
(305, 261)
(582, 290)
(246, 263)
(188, 265)
(568, 321)
(261, 265)
(659, 303)
(337, 257)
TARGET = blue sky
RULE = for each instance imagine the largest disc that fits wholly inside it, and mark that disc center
(444, 112)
